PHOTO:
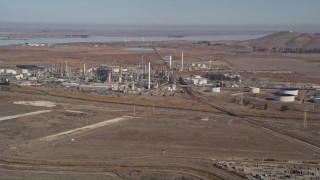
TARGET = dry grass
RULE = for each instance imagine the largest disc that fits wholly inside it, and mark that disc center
(119, 100)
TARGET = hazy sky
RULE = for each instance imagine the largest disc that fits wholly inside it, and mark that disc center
(161, 12)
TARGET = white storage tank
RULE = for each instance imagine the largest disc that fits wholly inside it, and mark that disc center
(24, 71)
(195, 81)
(288, 91)
(284, 97)
(215, 89)
(174, 87)
(31, 78)
(203, 81)
(9, 71)
(1, 71)
(254, 90)
(115, 70)
(316, 100)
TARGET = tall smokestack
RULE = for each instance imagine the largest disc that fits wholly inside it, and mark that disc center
(182, 60)
(170, 58)
(61, 70)
(67, 70)
(84, 68)
(120, 75)
(149, 77)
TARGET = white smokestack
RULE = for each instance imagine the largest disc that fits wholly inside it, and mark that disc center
(84, 68)
(67, 74)
(182, 60)
(149, 77)
(170, 61)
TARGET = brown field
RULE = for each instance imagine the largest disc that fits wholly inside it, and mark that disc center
(193, 135)
(301, 67)
(185, 136)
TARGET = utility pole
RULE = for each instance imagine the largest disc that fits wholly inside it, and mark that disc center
(305, 119)
(149, 77)
(134, 110)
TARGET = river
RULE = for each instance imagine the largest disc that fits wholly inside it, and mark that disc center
(106, 39)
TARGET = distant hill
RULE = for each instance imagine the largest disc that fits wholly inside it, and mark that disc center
(286, 40)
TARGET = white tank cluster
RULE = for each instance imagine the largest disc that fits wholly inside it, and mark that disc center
(198, 80)
(17, 74)
(286, 95)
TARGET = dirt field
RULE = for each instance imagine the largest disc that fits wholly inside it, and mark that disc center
(178, 137)
(155, 143)
(302, 67)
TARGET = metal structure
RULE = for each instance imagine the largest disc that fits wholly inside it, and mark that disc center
(289, 91)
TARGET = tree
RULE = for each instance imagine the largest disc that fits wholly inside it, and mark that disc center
(284, 108)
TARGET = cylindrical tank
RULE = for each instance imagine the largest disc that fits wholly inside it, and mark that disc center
(254, 90)
(174, 87)
(1, 71)
(204, 81)
(24, 71)
(195, 81)
(116, 70)
(316, 100)
(288, 91)
(9, 71)
(32, 78)
(215, 89)
(284, 97)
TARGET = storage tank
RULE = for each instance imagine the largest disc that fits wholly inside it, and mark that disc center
(1, 71)
(204, 81)
(195, 81)
(288, 91)
(116, 70)
(215, 89)
(24, 71)
(316, 100)
(9, 71)
(284, 97)
(174, 87)
(254, 90)
(32, 78)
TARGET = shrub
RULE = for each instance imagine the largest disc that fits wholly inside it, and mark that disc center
(284, 108)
